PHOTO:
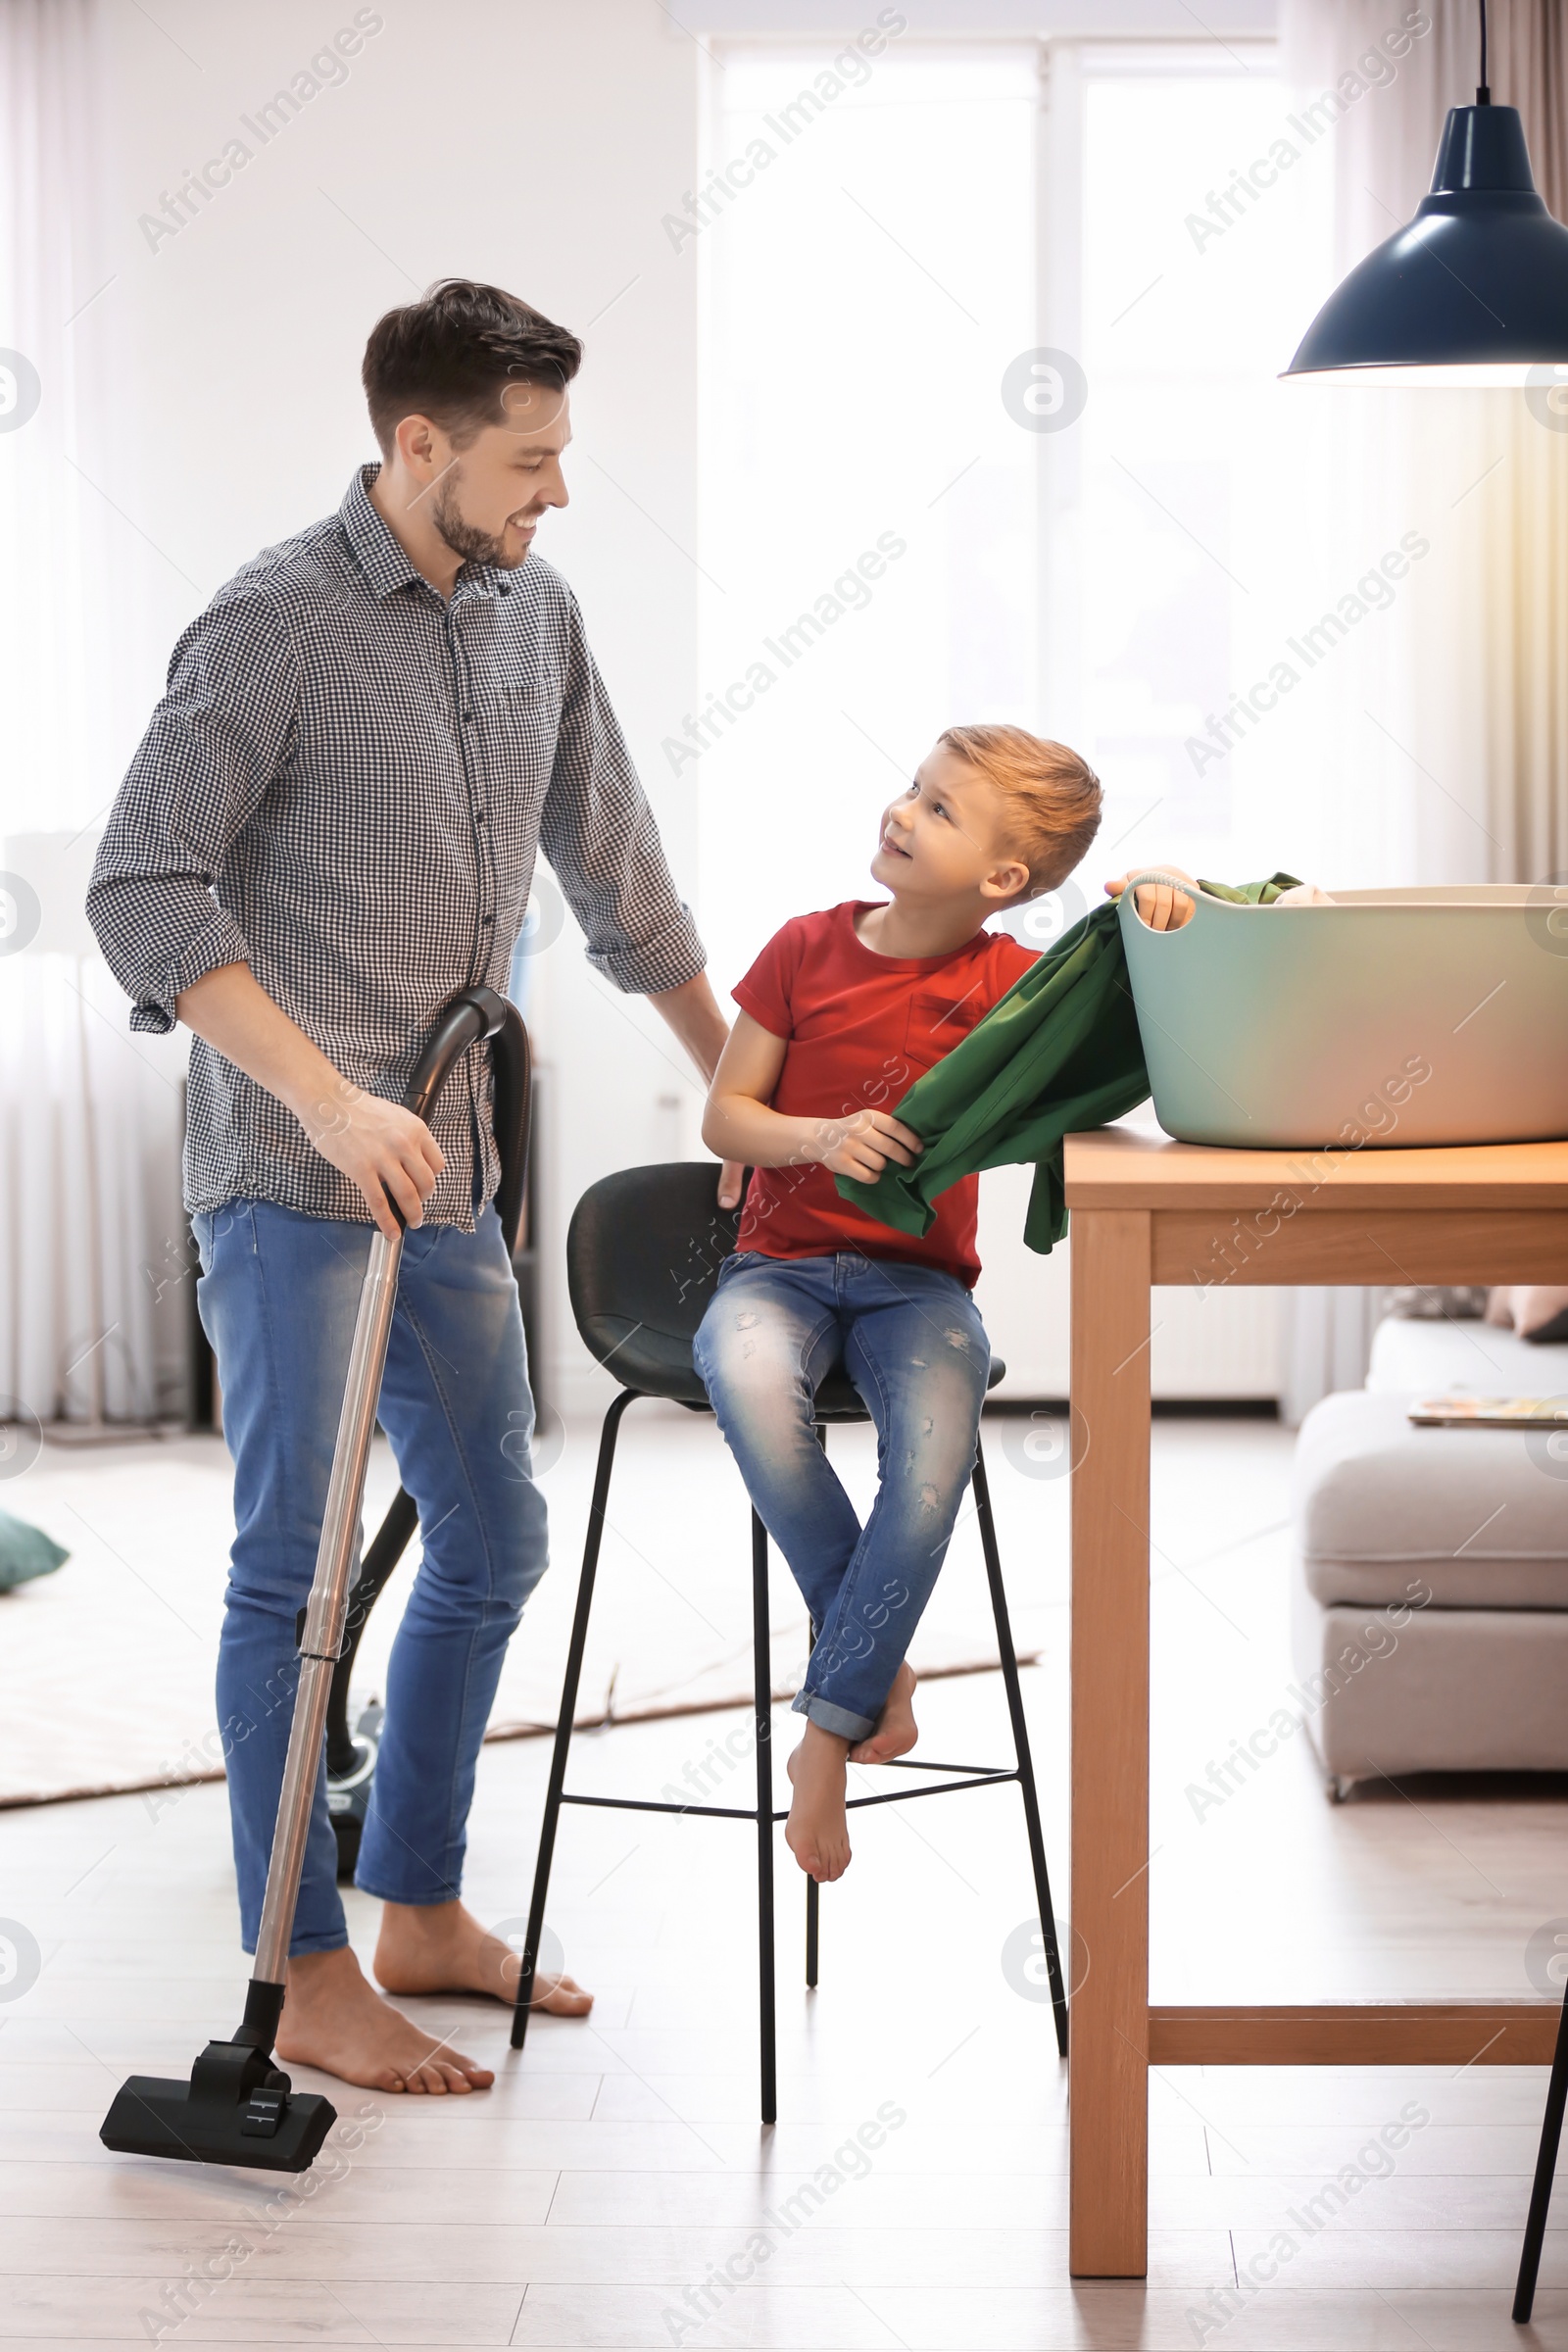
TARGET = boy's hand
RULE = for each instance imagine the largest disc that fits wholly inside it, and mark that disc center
(1160, 907)
(862, 1147)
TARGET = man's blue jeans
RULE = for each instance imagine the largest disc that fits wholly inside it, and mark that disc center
(913, 1342)
(277, 1297)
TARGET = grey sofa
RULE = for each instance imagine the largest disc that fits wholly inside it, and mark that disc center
(1430, 1579)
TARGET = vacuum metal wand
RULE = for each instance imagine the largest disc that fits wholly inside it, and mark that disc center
(327, 1606)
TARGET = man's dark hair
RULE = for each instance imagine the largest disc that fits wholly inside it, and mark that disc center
(451, 355)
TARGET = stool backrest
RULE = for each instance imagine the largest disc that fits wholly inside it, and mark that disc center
(643, 1253)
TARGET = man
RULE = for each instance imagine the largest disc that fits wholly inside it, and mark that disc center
(328, 830)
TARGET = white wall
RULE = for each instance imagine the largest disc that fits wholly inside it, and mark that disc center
(535, 145)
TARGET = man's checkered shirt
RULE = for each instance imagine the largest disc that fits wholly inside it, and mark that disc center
(345, 787)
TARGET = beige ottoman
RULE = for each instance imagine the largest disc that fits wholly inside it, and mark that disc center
(1430, 1586)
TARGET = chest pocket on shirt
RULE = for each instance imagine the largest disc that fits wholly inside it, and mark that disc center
(936, 1023)
(523, 722)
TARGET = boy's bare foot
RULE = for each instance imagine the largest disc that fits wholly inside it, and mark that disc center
(818, 1831)
(440, 1948)
(334, 2020)
(895, 1729)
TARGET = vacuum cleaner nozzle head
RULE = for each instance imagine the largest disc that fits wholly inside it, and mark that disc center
(229, 2112)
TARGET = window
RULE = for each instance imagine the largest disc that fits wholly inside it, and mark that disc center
(891, 542)
(867, 537)
(1196, 288)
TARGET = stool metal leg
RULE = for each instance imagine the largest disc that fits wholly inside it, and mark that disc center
(814, 1892)
(568, 1709)
(762, 1659)
(1546, 2172)
(1020, 1737)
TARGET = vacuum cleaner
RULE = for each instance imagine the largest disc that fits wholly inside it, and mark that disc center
(238, 2107)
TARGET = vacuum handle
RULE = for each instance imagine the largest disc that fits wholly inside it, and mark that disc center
(511, 1057)
(474, 1013)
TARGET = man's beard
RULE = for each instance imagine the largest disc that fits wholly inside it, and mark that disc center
(463, 538)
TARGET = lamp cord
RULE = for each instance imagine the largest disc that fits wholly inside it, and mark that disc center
(1482, 93)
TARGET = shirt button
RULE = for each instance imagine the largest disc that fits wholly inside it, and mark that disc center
(467, 718)
(487, 918)
(479, 817)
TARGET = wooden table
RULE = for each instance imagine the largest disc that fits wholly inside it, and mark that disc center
(1146, 1210)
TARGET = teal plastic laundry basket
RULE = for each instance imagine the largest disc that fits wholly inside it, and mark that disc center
(1433, 1015)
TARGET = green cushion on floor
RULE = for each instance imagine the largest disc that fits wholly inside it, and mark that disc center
(25, 1551)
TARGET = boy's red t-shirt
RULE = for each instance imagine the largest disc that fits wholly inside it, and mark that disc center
(860, 1029)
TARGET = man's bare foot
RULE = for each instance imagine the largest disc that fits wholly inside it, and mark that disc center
(895, 1729)
(440, 1948)
(818, 1831)
(334, 2020)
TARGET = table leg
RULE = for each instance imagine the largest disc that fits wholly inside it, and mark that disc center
(1110, 2043)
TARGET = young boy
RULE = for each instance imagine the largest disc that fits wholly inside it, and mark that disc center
(840, 1014)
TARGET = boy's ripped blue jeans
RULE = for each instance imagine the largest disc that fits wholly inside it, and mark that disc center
(913, 1342)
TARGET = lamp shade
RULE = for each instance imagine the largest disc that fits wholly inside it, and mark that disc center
(1475, 290)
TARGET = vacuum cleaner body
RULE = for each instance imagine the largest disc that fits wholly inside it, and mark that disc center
(348, 1794)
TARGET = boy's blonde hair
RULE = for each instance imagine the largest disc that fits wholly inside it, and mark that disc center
(1053, 796)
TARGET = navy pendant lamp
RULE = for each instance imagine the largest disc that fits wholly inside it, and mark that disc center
(1474, 291)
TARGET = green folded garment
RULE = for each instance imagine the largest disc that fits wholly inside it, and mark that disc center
(1060, 1052)
(25, 1551)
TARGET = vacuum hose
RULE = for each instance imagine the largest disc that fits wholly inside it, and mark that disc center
(513, 1063)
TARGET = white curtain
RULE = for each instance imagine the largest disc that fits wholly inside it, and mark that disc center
(87, 1114)
(1448, 716)
(95, 1270)
(1326, 1345)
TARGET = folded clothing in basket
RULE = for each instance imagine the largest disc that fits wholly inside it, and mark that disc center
(1059, 1051)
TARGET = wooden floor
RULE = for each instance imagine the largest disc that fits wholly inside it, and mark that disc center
(616, 2189)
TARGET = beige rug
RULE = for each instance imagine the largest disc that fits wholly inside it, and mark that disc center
(106, 1666)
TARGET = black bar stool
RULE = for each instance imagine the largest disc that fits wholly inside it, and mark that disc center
(643, 1256)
